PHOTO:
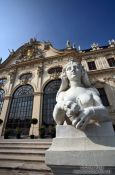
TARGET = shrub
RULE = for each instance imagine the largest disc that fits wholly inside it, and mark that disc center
(7, 133)
(18, 133)
(32, 136)
(34, 121)
(52, 131)
(42, 131)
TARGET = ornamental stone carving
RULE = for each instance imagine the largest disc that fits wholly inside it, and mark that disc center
(112, 43)
(25, 78)
(29, 52)
(95, 46)
(0, 60)
(38, 53)
(12, 74)
(40, 70)
(55, 72)
(3, 81)
(68, 45)
(47, 45)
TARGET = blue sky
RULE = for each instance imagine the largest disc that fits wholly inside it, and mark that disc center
(81, 21)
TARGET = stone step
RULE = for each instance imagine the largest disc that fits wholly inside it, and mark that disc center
(22, 157)
(25, 144)
(26, 147)
(22, 172)
(23, 166)
(28, 143)
(23, 151)
(33, 141)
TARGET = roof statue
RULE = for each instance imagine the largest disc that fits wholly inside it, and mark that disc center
(112, 43)
(95, 46)
(68, 44)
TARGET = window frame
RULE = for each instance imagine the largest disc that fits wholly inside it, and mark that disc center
(49, 101)
(111, 63)
(2, 94)
(20, 113)
(91, 65)
(103, 96)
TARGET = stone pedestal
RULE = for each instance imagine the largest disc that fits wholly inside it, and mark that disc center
(83, 152)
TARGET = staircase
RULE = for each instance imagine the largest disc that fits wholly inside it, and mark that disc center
(24, 156)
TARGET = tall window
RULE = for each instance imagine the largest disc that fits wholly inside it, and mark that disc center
(2, 93)
(111, 62)
(20, 113)
(49, 100)
(91, 65)
(103, 96)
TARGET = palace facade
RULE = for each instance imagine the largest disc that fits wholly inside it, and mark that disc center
(30, 79)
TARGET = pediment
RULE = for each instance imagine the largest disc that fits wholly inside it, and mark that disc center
(29, 51)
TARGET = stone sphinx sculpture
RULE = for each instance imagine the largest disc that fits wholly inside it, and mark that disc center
(78, 103)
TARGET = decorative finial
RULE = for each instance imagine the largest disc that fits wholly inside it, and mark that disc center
(0, 60)
(79, 48)
(74, 46)
(33, 40)
(112, 43)
(95, 46)
(68, 44)
(11, 51)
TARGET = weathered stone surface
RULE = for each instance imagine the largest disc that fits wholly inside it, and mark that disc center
(23, 157)
(72, 149)
(78, 103)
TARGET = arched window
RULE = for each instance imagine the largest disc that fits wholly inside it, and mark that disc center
(20, 113)
(2, 93)
(49, 101)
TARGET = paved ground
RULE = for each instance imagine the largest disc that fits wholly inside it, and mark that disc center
(18, 172)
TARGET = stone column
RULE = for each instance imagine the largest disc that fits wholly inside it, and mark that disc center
(4, 113)
(36, 113)
(37, 101)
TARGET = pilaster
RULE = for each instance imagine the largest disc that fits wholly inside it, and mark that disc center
(4, 113)
(36, 112)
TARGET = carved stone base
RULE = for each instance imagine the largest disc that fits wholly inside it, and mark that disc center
(77, 152)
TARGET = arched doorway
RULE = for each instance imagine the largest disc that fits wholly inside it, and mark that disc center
(49, 101)
(20, 112)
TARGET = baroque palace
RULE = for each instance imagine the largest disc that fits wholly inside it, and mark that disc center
(30, 79)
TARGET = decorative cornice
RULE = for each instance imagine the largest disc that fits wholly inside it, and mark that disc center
(109, 79)
(71, 53)
(38, 93)
(91, 72)
(7, 97)
(66, 53)
(12, 74)
(97, 52)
